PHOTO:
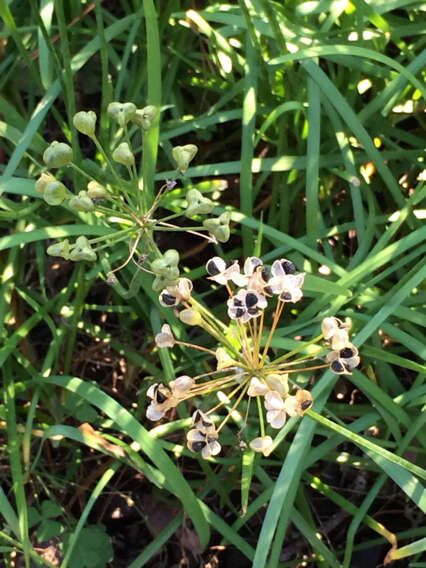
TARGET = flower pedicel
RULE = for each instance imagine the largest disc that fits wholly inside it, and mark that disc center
(246, 367)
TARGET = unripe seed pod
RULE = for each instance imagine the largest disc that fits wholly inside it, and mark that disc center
(123, 155)
(60, 249)
(219, 227)
(121, 112)
(95, 190)
(183, 155)
(190, 317)
(85, 122)
(55, 193)
(81, 202)
(143, 117)
(57, 155)
(43, 181)
(82, 251)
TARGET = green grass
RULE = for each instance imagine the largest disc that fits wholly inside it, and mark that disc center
(318, 171)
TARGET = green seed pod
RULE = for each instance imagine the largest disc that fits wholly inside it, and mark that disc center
(42, 182)
(60, 249)
(183, 155)
(57, 154)
(81, 202)
(123, 155)
(82, 251)
(162, 281)
(121, 112)
(85, 122)
(219, 227)
(55, 193)
(95, 190)
(167, 264)
(197, 204)
(190, 317)
(143, 117)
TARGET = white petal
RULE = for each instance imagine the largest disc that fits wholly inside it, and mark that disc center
(215, 448)
(195, 435)
(257, 388)
(251, 263)
(239, 279)
(291, 406)
(329, 326)
(340, 339)
(153, 412)
(276, 284)
(277, 269)
(219, 278)
(262, 444)
(151, 391)
(276, 418)
(273, 401)
(181, 385)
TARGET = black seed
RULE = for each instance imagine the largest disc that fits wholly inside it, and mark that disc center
(346, 353)
(288, 267)
(265, 274)
(168, 299)
(337, 367)
(196, 417)
(306, 404)
(237, 302)
(160, 397)
(239, 312)
(286, 296)
(198, 446)
(212, 269)
(268, 290)
(251, 300)
(211, 440)
(253, 311)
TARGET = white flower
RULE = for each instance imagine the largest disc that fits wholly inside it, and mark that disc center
(165, 338)
(276, 414)
(343, 362)
(220, 271)
(263, 445)
(246, 304)
(203, 423)
(162, 401)
(288, 286)
(207, 444)
(298, 404)
(181, 386)
(177, 293)
(257, 388)
(333, 326)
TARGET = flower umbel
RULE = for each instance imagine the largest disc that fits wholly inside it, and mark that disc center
(248, 366)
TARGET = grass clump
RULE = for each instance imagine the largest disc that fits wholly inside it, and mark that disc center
(308, 122)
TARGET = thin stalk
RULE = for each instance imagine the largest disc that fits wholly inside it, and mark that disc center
(272, 330)
(298, 349)
(260, 411)
(237, 402)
